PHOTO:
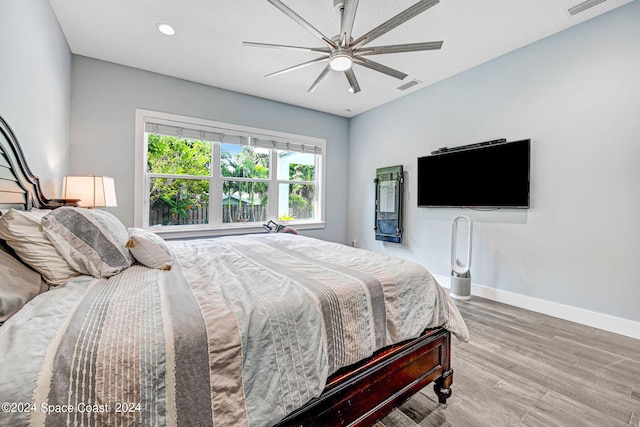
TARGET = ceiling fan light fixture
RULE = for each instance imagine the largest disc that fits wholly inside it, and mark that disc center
(340, 60)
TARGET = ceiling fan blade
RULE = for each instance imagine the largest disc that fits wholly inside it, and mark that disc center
(297, 67)
(379, 67)
(353, 82)
(318, 50)
(392, 23)
(322, 75)
(399, 48)
(297, 18)
(346, 22)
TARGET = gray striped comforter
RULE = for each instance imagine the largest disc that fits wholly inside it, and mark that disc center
(242, 331)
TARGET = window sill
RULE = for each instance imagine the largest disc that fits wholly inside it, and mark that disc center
(199, 231)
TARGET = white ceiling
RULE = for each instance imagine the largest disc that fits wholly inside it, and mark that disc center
(207, 47)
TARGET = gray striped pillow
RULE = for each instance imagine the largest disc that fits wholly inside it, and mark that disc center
(92, 241)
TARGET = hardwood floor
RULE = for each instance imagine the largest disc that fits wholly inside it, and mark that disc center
(522, 368)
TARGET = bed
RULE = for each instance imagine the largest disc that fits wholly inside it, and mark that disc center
(260, 330)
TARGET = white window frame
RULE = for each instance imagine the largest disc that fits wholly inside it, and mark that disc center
(217, 228)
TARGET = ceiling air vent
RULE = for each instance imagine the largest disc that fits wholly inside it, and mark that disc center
(584, 6)
(406, 86)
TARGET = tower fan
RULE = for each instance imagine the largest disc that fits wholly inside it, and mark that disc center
(461, 273)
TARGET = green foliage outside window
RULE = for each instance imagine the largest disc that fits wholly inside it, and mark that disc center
(301, 196)
(192, 158)
(250, 197)
(179, 156)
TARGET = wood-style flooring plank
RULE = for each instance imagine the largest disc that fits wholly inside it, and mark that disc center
(557, 410)
(522, 368)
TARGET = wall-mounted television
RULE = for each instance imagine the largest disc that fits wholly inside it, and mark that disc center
(493, 174)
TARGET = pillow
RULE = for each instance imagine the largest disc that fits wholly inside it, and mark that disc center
(22, 230)
(149, 249)
(18, 286)
(92, 241)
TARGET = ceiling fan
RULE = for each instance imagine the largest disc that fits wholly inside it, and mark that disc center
(342, 51)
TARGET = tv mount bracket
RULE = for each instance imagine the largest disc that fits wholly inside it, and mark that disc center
(442, 150)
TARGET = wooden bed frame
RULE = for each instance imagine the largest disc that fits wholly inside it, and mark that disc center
(19, 187)
(358, 395)
(364, 393)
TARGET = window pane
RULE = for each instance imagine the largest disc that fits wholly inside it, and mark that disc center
(243, 161)
(295, 166)
(244, 201)
(180, 156)
(178, 201)
(296, 201)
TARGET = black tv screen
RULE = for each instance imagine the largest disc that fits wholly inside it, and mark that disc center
(489, 175)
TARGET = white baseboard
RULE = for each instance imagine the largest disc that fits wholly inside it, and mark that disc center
(606, 322)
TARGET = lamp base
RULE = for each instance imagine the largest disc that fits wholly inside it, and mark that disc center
(56, 203)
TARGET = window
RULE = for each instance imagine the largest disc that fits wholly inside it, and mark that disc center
(196, 176)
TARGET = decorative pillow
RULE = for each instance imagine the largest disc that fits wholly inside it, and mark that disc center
(18, 286)
(92, 241)
(22, 231)
(149, 249)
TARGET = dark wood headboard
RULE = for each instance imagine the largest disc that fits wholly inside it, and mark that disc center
(19, 187)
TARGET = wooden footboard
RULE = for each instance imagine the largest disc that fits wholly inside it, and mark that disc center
(367, 392)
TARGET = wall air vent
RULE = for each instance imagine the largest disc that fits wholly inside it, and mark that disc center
(584, 6)
(412, 83)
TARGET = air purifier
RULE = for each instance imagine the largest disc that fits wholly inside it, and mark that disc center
(461, 273)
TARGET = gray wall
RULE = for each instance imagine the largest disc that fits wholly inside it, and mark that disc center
(577, 96)
(35, 81)
(104, 99)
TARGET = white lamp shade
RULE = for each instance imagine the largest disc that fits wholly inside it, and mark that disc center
(92, 191)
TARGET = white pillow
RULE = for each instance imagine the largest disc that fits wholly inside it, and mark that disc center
(149, 249)
(91, 240)
(18, 286)
(22, 230)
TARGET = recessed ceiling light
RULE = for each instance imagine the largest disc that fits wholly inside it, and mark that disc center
(166, 29)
